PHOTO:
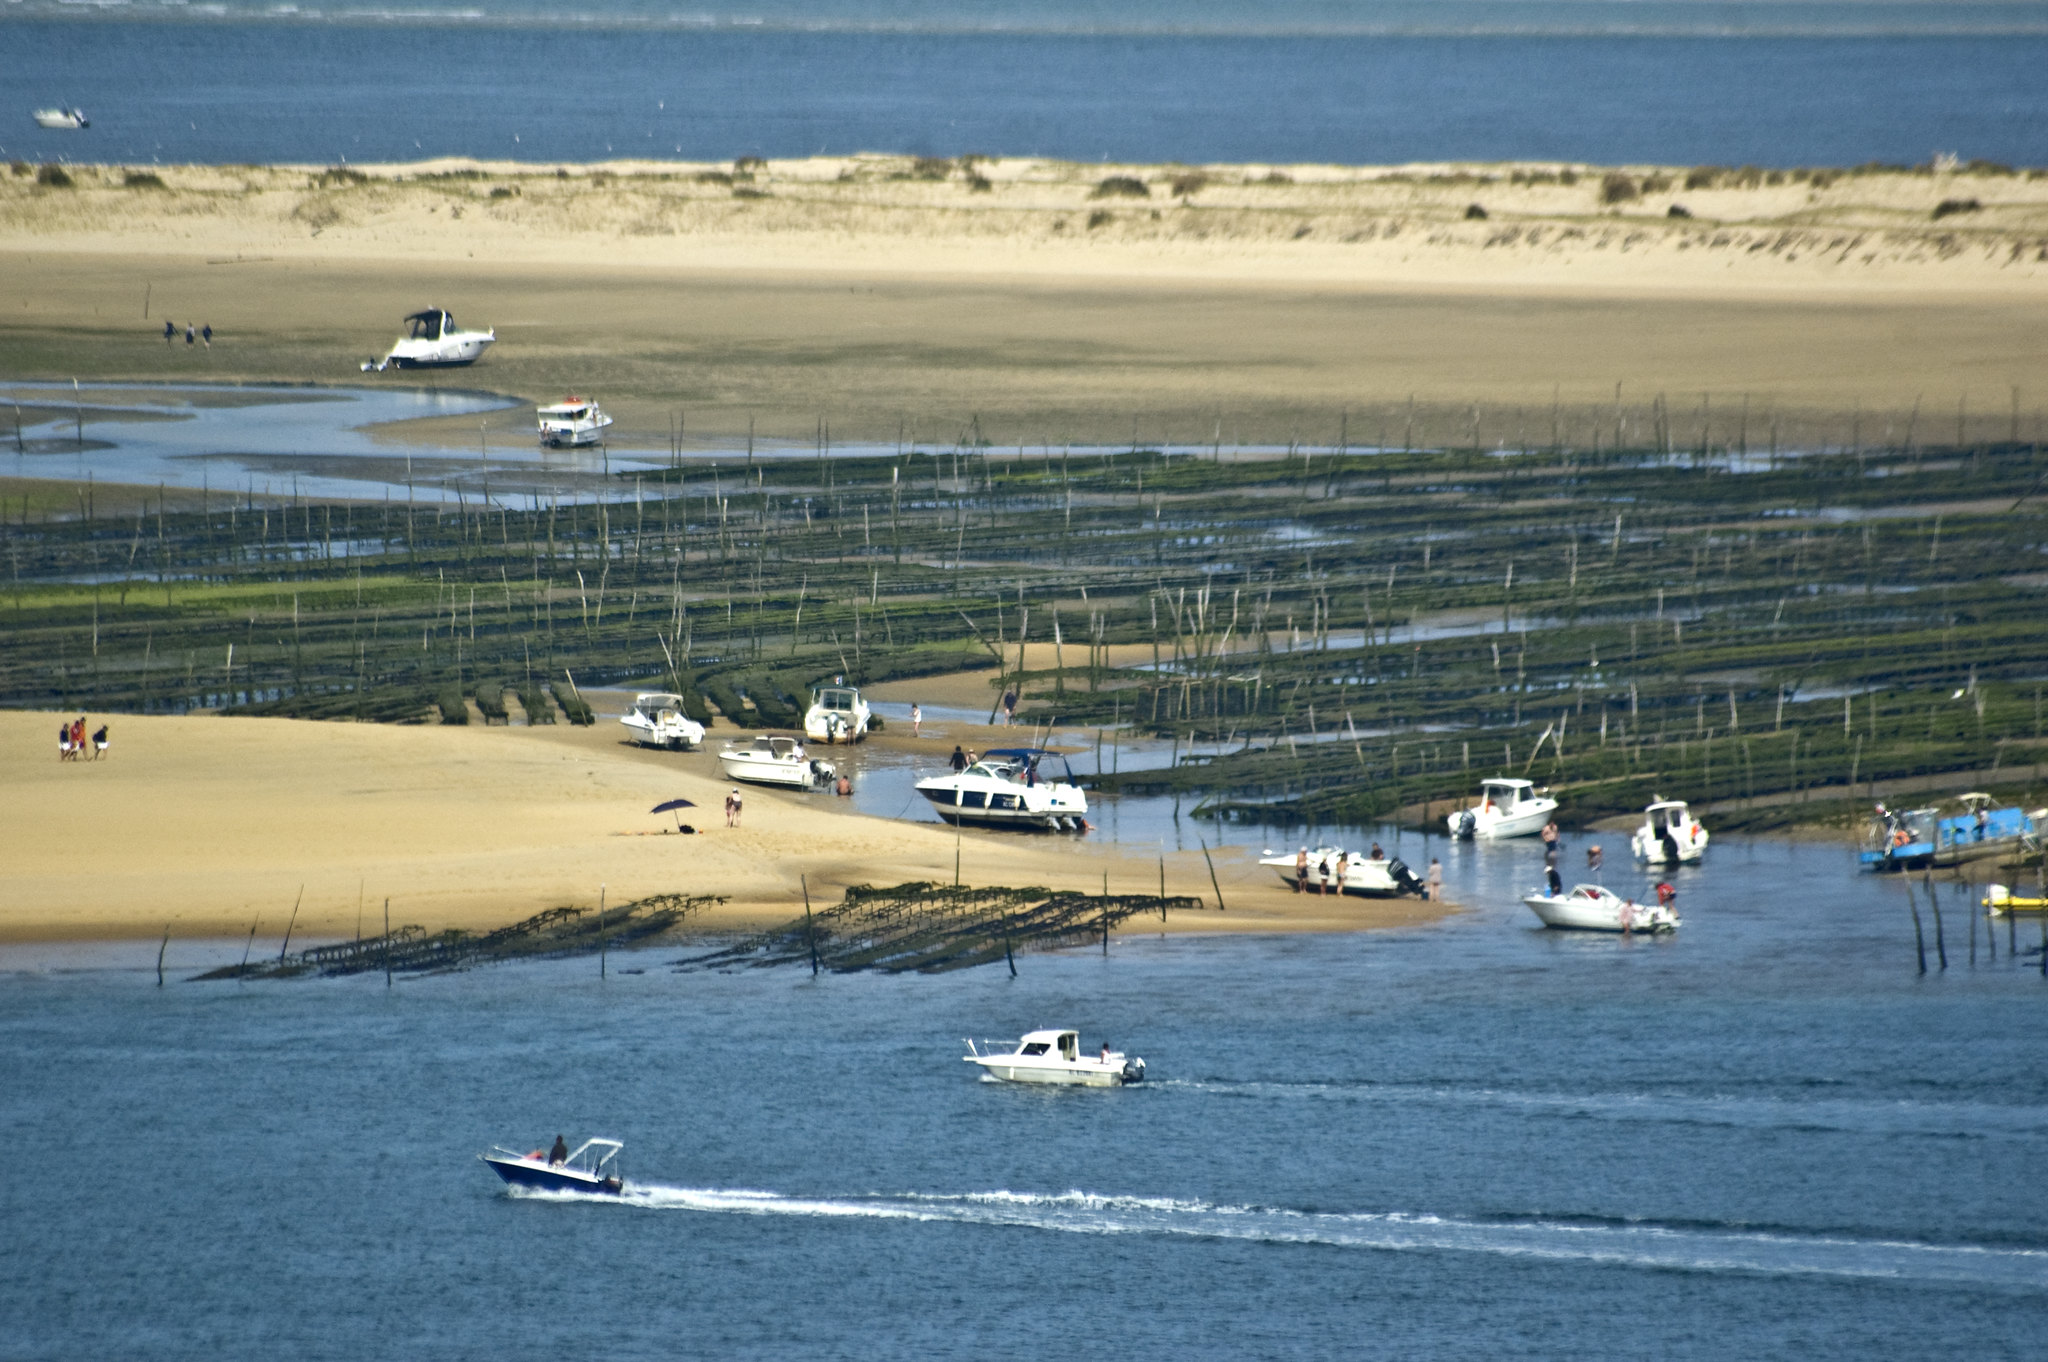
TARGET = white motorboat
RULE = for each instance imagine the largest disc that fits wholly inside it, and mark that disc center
(433, 341)
(63, 120)
(1003, 790)
(837, 714)
(1348, 873)
(593, 1167)
(1670, 835)
(1507, 808)
(1054, 1057)
(765, 760)
(657, 720)
(1590, 908)
(572, 421)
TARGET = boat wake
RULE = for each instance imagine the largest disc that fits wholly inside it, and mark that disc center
(1877, 1116)
(1613, 1242)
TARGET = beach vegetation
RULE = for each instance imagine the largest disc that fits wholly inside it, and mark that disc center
(1101, 217)
(143, 179)
(1475, 212)
(741, 191)
(1275, 177)
(50, 175)
(978, 183)
(748, 165)
(1983, 167)
(1617, 188)
(1656, 183)
(1189, 183)
(504, 191)
(1678, 210)
(339, 177)
(1567, 176)
(1950, 207)
(21, 170)
(713, 177)
(1704, 177)
(930, 168)
(1121, 187)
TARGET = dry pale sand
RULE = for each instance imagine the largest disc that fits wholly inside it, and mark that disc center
(206, 825)
(857, 295)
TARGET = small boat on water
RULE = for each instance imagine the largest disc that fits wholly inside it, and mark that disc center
(62, 120)
(657, 720)
(1348, 873)
(766, 760)
(2001, 900)
(1004, 790)
(1507, 808)
(593, 1168)
(433, 341)
(1591, 908)
(837, 714)
(1670, 835)
(1054, 1057)
(1919, 839)
(570, 422)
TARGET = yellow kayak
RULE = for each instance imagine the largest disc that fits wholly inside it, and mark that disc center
(2000, 899)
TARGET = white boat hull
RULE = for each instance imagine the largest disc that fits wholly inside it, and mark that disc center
(1575, 912)
(1651, 849)
(682, 737)
(1494, 825)
(1363, 876)
(1079, 1074)
(60, 120)
(799, 774)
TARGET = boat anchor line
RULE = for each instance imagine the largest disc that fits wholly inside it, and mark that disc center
(1638, 1245)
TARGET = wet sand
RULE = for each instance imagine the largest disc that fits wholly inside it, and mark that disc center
(203, 825)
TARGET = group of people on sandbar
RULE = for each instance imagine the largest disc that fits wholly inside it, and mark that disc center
(71, 741)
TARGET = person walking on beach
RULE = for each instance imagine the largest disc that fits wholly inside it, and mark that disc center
(1436, 880)
(206, 334)
(1301, 871)
(99, 742)
(190, 334)
(916, 719)
(78, 738)
(170, 331)
(63, 742)
(732, 808)
(959, 761)
(1010, 706)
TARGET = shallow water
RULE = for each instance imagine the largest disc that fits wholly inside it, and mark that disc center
(1766, 1135)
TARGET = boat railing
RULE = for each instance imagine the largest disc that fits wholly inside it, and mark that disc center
(990, 1049)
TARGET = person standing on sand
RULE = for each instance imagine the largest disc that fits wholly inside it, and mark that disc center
(63, 742)
(1010, 707)
(190, 334)
(170, 331)
(99, 743)
(1301, 871)
(916, 719)
(1436, 880)
(732, 808)
(959, 762)
(78, 737)
(206, 334)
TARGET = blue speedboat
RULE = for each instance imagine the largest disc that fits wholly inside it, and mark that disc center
(1919, 839)
(593, 1168)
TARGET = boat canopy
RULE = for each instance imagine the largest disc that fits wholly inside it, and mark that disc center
(431, 324)
(1508, 784)
(836, 697)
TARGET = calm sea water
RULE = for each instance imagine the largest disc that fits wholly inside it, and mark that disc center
(1769, 84)
(1766, 1137)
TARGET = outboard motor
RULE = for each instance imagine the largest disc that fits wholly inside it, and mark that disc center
(1468, 826)
(1404, 879)
(1134, 1071)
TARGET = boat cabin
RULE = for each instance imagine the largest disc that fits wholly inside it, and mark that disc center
(1506, 794)
(431, 325)
(569, 409)
(841, 699)
(1042, 1043)
(1668, 813)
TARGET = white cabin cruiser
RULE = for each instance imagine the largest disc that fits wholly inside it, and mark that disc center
(572, 421)
(657, 720)
(765, 760)
(1349, 873)
(1670, 835)
(1507, 808)
(1054, 1057)
(432, 341)
(65, 120)
(837, 714)
(1003, 790)
(1590, 908)
(593, 1167)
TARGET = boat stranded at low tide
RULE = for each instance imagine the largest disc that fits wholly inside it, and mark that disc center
(657, 720)
(837, 714)
(1333, 868)
(571, 422)
(433, 341)
(767, 760)
(1054, 1057)
(1004, 790)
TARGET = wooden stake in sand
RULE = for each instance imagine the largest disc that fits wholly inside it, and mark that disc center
(1212, 874)
(292, 922)
(160, 955)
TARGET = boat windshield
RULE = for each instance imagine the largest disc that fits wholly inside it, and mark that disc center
(837, 699)
(428, 325)
(782, 747)
(1036, 1047)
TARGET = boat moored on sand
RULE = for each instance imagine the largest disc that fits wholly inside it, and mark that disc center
(837, 714)
(657, 720)
(1507, 807)
(1348, 873)
(1054, 1057)
(1592, 908)
(433, 341)
(768, 760)
(592, 1168)
(1004, 790)
(571, 422)
(1670, 835)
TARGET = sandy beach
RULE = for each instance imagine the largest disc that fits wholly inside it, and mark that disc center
(1243, 304)
(203, 825)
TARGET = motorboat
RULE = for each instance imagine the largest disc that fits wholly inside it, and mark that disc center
(433, 341)
(1054, 1057)
(1347, 873)
(592, 1168)
(1507, 808)
(63, 120)
(1003, 789)
(1670, 835)
(2001, 900)
(1591, 908)
(657, 720)
(1919, 839)
(572, 421)
(767, 760)
(837, 714)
